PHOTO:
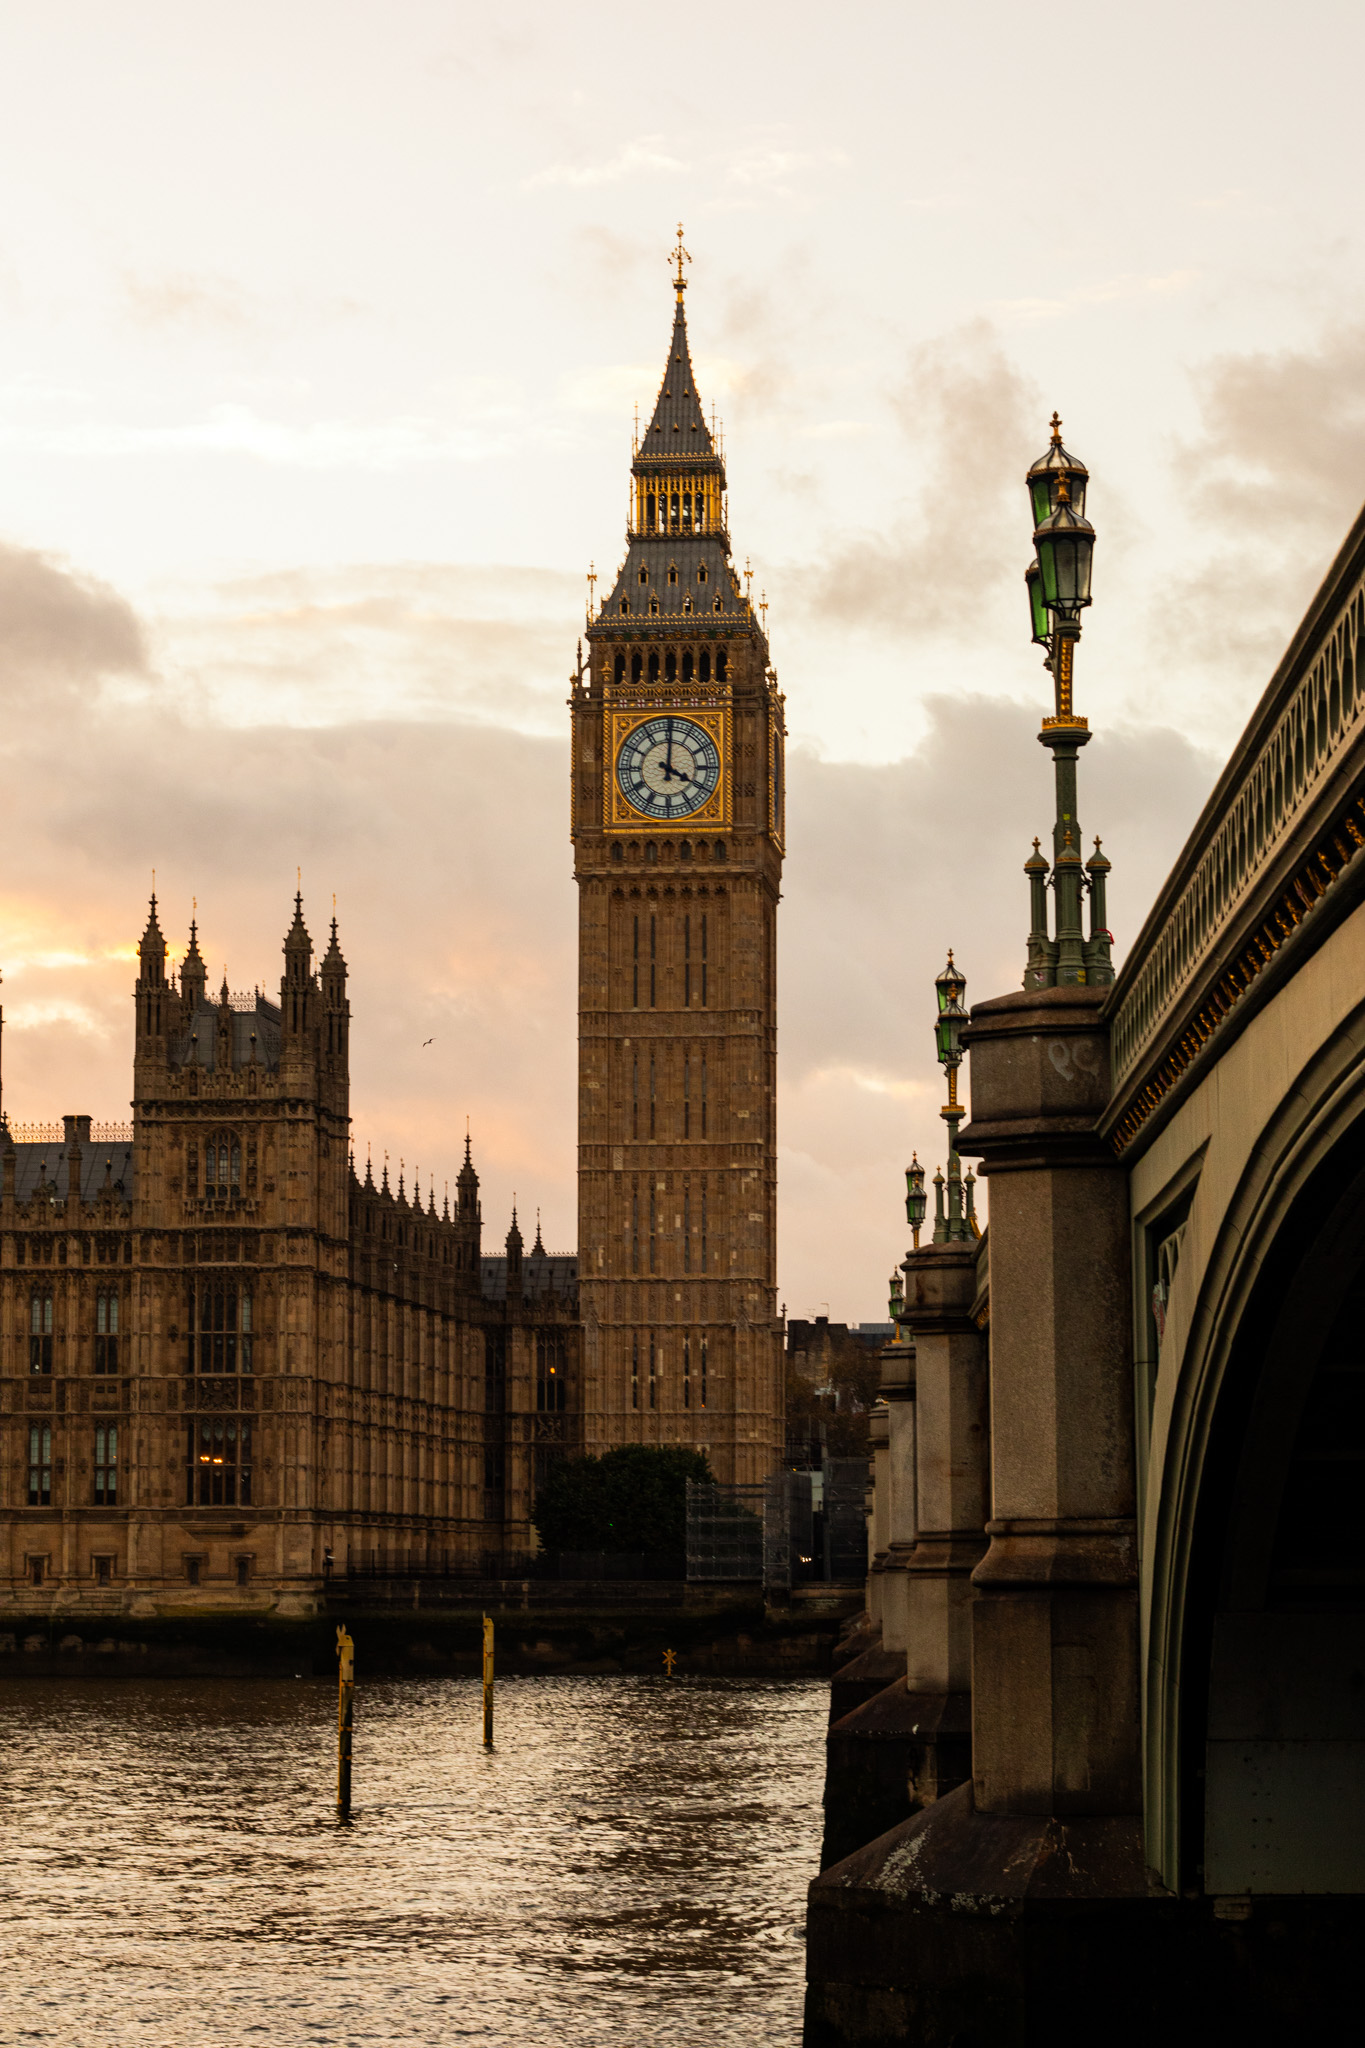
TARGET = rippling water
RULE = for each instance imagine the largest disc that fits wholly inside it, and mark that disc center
(628, 1866)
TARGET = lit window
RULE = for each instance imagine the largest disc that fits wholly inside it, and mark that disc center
(219, 1464)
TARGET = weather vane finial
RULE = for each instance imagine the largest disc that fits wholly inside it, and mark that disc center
(680, 256)
(1056, 426)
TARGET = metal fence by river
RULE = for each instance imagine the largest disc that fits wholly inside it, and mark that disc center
(628, 1866)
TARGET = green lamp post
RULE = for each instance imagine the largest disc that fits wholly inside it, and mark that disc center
(1058, 582)
(954, 1220)
(916, 1201)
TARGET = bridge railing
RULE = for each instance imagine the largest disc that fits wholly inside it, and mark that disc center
(1307, 720)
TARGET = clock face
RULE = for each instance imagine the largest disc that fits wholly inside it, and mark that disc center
(668, 767)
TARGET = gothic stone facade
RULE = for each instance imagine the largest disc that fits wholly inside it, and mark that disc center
(230, 1366)
(678, 837)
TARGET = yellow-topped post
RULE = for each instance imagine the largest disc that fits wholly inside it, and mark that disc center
(488, 1681)
(345, 1721)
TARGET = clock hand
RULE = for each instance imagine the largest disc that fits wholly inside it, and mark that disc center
(668, 752)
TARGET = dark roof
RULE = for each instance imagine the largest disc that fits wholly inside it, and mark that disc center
(542, 1274)
(45, 1169)
(198, 1046)
(685, 552)
(678, 431)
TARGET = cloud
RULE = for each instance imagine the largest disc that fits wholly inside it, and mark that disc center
(60, 631)
(1275, 474)
(237, 430)
(968, 421)
(1106, 292)
(646, 155)
(178, 299)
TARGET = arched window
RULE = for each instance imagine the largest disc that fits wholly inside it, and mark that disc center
(687, 603)
(716, 605)
(616, 850)
(701, 573)
(40, 1465)
(625, 607)
(654, 658)
(644, 573)
(672, 572)
(687, 651)
(704, 665)
(670, 666)
(636, 666)
(219, 1463)
(718, 851)
(219, 1332)
(552, 1387)
(722, 664)
(106, 1331)
(40, 1332)
(619, 668)
(222, 1168)
(654, 607)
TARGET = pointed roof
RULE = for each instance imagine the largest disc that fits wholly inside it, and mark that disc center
(333, 956)
(537, 1249)
(677, 432)
(152, 936)
(297, 934)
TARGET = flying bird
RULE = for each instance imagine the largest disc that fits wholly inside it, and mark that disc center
(425, 1043)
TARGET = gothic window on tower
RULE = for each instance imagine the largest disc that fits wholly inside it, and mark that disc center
(644, 573)
(722, 662)
(40, 1465)
(653, 659)
(687, 1094)
(687, 659)
(494, 1372)
(653, 952)
(701, 573)
(703, 1124)
(672, 572)
(687, 962)
(704, 663)
(687, 1227)
(219, 1469)
(625, 607)
(551, 1385)
(687, 1372)
(635, 1226)
(703, 1372)
(618, 669)
(703, 1255)
(653, 1222)
(222, 1168)
(40, 1333)
(616, 850)
(687, 652)
(651, 1095)
(219, 1333)
(654, 652)
(685, 850)
(634, 1372)
(106, 1465)
(635, 1095)
(636, 667)
(704, 990)
(635, 963)
(652, 1382)
(671, 666)
(716, 604)
(106, 1332)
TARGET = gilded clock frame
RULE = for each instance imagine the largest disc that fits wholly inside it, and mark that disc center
(712, 715)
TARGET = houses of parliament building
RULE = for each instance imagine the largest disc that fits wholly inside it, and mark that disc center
(230, 1365)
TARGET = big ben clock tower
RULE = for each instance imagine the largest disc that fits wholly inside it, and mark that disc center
(678, 837)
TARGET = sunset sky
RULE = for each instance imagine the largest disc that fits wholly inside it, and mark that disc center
(321, 328)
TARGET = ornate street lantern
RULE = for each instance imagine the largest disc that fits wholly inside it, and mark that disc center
(950, 987)
(916, 1201)
(896, 1305)
(1066, 546)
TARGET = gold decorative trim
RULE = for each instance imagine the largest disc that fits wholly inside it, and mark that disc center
(777, 777)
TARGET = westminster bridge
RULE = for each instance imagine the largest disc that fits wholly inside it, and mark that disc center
(1098, 1769)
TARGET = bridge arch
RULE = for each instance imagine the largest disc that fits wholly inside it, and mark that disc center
(1255, 1687)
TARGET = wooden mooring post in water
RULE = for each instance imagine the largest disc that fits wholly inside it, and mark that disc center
(487, 1682)
(345, 1721)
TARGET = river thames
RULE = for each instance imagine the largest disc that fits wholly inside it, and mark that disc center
(629, 1865)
